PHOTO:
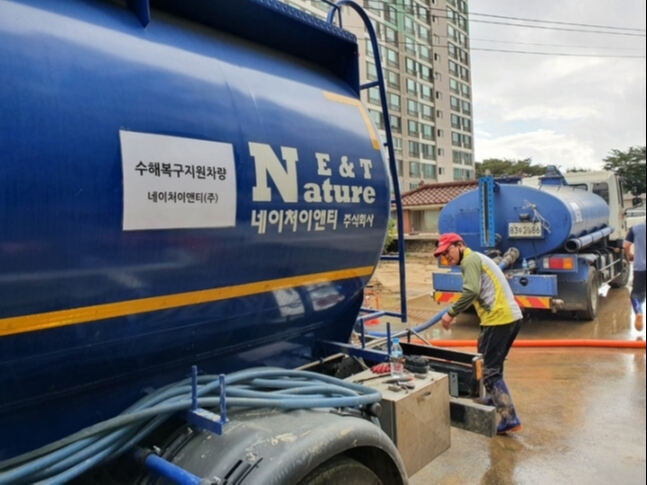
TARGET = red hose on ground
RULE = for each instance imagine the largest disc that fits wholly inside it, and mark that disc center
(623, 344)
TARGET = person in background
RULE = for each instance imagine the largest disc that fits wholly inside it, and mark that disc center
(485, 287)
(636, 237)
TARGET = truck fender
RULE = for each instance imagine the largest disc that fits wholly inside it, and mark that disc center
(278, 447)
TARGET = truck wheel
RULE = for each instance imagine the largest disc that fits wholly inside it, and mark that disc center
(591, 296)
(622, 279)
(341, 469)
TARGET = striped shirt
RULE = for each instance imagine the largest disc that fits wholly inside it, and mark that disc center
(485, 286)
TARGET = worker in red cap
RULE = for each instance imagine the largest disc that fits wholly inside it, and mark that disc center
(485, 287)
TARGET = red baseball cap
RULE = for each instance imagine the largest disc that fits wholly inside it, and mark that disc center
(446, 240)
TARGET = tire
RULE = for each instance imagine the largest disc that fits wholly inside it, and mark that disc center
(622, 279)
(341, 469)
(591, 295)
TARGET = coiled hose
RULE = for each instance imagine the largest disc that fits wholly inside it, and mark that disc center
(260, 387)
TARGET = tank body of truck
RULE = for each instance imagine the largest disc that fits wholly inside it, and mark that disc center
(200, 188)
(568, 251)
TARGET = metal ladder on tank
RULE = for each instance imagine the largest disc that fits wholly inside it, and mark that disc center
(371, 313)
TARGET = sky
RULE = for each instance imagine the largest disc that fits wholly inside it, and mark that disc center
(567, 111)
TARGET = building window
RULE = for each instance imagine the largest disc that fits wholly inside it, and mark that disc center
(428, 171)
(454, 103)
(396, 123)
(409, 25)
(425, 72)
(427, 112)
(369, 48)
(423, 14)
(456, 139)
(377, 118)
(374, 95)
(412, 87)
(392, 79)
(414, 169)
(391, 14)
(392, 58)
(467, 107)
(427, 131)
(426, 92)
(453, 68)
(412, 107)
(414, 149)
(424, 53)
(423, 33)
(441, 133)
(371, 72)
(453, 86)
(410, 45)
(428, 151)
(397, 144)
(394, 101)
(390, 35)
(410, 66)
(413, 128)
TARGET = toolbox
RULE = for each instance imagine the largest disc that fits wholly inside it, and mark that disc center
(417, 420)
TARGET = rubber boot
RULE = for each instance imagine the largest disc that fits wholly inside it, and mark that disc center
(503, 402)
(486, 400)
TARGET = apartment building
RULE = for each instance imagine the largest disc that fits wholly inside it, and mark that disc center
(424, 48)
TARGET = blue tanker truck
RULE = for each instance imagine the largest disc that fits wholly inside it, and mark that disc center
(558, 238)
(192, 199)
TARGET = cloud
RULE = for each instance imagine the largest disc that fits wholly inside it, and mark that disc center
(572, 110)
(551, 112)
(543, 147)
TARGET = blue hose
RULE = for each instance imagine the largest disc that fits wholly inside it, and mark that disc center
(424, 326)
(69, 457)
(167, 469)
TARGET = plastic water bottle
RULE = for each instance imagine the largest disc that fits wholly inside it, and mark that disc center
(397, 359)
(524, 264)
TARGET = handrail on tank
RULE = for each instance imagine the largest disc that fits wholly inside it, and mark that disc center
(336, 7)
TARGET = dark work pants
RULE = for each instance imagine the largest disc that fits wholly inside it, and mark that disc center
(494, 344)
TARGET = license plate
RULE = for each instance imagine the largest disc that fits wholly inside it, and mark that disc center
(524, 229)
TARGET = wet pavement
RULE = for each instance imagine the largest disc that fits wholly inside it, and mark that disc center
(582, 409)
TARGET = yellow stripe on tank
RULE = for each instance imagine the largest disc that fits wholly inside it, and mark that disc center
(72, 316)
(356, 102)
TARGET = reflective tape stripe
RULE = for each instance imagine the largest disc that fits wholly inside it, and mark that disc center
(541, 302)
(446, 296)
(356, 102)
(59, 318)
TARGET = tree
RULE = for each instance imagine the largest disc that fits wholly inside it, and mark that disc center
(630, 167)
(500, 168)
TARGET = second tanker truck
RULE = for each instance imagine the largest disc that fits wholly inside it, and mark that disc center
(560, 241)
